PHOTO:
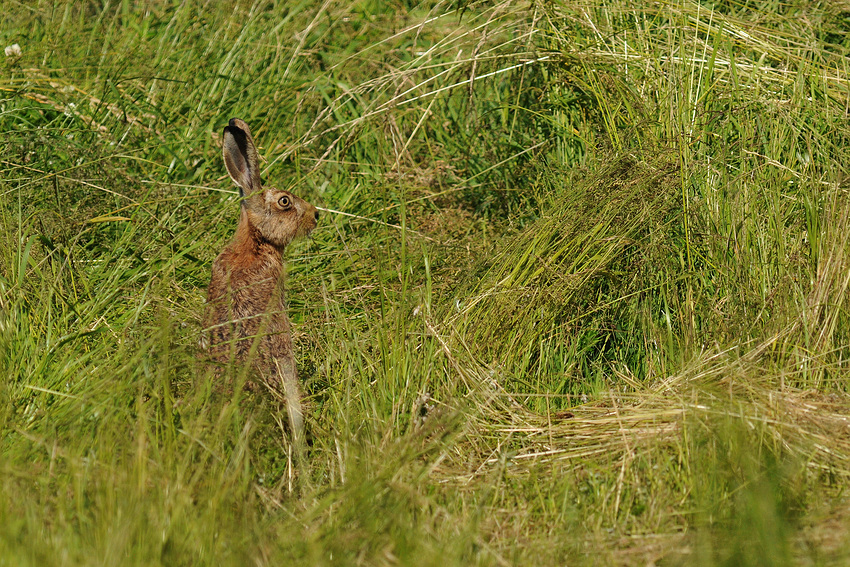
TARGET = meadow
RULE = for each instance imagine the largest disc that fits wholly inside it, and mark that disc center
(578, 294)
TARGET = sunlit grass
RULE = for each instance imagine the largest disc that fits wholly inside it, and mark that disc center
(578, 293)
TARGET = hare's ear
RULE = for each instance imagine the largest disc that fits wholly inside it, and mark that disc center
(240, 157)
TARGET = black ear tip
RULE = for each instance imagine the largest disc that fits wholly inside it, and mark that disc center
(234, 127)
(239, 135)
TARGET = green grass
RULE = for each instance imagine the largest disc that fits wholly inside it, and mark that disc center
(609, 241)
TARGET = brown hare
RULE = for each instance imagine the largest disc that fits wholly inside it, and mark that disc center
(246, 311)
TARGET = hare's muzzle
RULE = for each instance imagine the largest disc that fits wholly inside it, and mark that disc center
(310, 220)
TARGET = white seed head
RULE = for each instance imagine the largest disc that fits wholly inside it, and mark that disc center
(13, 50)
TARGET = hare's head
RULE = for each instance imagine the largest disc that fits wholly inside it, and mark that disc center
(278, 216)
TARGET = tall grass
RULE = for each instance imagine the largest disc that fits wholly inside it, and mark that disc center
(578, 293)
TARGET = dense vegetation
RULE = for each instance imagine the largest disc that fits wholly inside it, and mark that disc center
(579, 293)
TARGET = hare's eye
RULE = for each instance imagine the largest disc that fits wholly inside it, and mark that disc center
(283, 201)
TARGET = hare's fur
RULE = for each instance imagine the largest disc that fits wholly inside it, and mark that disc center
(246, 311)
